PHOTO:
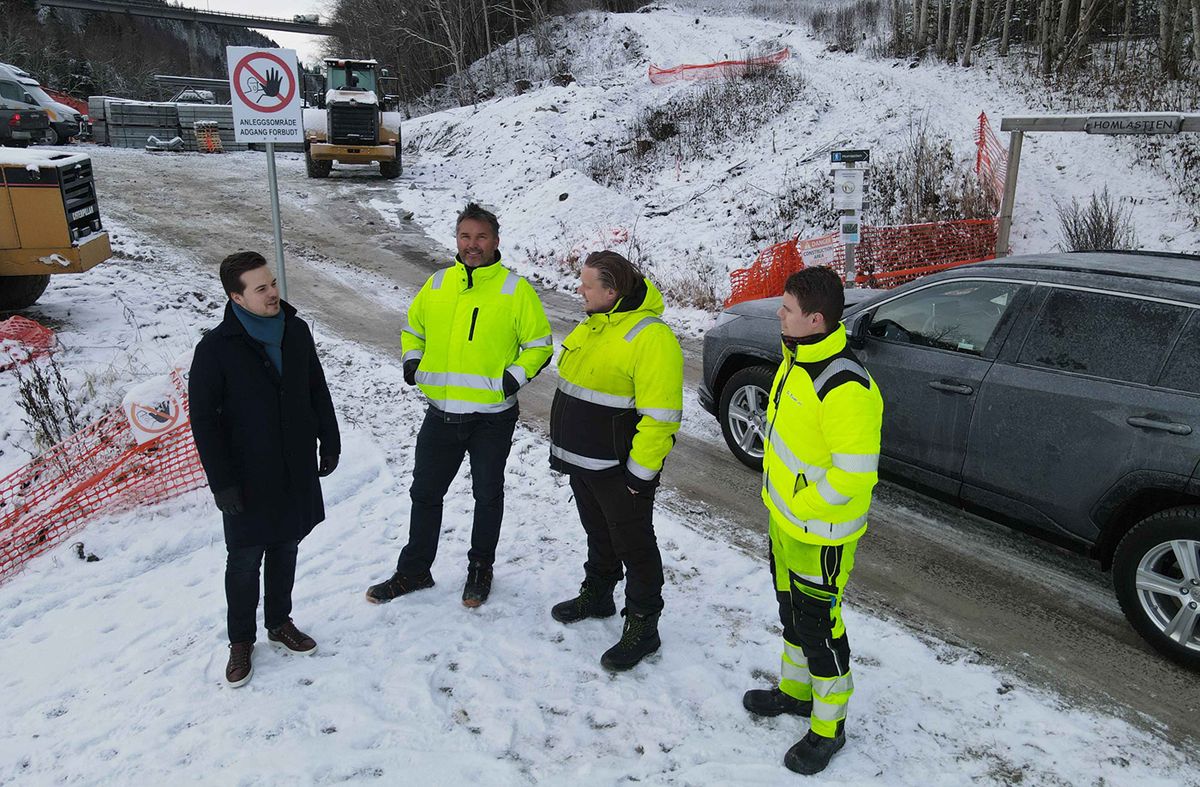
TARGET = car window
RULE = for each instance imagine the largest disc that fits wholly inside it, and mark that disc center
(11, 92)
(1183, 367)
(1109, 336)
(959, 315)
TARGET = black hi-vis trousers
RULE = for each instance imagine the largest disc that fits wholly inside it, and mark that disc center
(620, 533)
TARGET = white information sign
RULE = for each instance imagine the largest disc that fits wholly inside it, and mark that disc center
(264, 88)
(848, 189)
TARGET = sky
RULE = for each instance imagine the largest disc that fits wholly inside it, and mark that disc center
(307, 47)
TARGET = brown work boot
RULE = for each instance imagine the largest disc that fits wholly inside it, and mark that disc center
(292, 638)
(239, 669)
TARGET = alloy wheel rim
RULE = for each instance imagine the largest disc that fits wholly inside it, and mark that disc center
(1168, 589)
(747, 419)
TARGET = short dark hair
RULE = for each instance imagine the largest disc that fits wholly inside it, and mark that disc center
(479, 213)
(818, 289)
(233, 266)
(615, 272)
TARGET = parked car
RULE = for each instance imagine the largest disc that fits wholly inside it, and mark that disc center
(19, 125)
(66, 123)
(1057, 393)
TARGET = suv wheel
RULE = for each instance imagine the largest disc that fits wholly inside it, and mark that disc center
(743, 413)
(1156, 572)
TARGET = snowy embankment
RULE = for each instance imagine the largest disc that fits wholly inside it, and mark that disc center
(112, 671)
(693, 221)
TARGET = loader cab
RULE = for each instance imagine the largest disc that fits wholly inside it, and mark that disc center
(351, 75)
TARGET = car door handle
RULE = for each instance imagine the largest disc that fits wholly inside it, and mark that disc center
(955, 388)
(1163, 426)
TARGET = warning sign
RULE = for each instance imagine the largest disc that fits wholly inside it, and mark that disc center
(265, 93)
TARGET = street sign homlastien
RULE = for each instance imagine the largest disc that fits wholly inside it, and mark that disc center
(264, 89)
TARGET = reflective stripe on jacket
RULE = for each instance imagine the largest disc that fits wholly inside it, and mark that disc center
(821, 457)
(620, 392)
(467, 327)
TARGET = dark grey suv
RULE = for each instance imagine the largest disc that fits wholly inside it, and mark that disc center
(1058, 393)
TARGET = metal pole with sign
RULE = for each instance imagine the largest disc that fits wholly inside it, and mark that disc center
(848, 186)
(265, 94)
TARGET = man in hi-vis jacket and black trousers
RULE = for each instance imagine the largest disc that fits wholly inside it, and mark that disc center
(259, 406)
(618, 405)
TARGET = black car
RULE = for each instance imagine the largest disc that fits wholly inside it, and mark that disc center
(1058, 393)
(22, 127)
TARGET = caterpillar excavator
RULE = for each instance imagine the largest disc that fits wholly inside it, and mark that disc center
(350, 126)
(49, 222)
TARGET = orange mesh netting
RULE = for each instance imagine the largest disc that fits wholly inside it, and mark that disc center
(991, 158)
(22, 340)
(99, 470)
(886, 256)
(690, 71)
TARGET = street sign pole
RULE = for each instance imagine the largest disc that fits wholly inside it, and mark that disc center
(849, 185)
(280, 271)
(265, 93)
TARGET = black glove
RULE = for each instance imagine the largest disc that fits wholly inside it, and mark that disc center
(229, 501)
(511, 386)
(328, 465)
(410, 371)
(637, 486)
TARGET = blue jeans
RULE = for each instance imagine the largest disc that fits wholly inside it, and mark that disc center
(441, 445)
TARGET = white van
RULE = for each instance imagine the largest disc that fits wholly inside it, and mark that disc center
(66, 123)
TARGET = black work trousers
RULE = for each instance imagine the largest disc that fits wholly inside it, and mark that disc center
(620, 533)
(441, 445)
(242, 564)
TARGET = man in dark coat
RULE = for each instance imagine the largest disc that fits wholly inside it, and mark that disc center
(259, 404)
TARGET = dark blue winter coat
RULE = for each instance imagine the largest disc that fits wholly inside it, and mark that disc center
(258, 430)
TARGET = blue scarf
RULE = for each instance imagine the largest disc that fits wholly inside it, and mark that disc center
(267, 331)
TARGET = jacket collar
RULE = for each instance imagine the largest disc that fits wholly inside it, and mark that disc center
(232, 326)
(832, 344)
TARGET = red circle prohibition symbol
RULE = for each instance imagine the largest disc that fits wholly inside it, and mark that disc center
(244, 64)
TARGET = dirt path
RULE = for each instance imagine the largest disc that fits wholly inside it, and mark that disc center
(1004, 597)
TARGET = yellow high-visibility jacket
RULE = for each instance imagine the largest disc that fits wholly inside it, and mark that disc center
(467, 327)
(620, 393)
(821, 462)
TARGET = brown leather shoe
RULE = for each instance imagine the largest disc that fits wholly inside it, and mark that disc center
(292, 638)
(240, 668)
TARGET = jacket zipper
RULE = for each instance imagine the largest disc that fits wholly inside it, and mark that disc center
(474, 316)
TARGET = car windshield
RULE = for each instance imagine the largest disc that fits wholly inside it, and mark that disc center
(41, 96)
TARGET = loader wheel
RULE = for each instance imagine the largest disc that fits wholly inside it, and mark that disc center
(19, 292)
(316, 168)
(390, 169)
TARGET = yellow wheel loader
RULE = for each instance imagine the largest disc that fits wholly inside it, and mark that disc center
(49, 222)
(350, 127)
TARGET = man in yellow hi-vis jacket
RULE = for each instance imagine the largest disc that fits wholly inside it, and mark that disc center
(820, 464)
(618, 405)
(475, 334)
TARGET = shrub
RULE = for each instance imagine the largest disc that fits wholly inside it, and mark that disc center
(1099, 225)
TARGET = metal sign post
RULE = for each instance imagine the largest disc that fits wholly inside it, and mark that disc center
(265, 93)
(849, 183)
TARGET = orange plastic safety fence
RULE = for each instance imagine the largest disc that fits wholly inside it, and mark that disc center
(885, 257)
(691, 71)
(22, 340)
(99, 470)
(991, 158)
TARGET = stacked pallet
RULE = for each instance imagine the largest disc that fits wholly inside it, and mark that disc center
(221, 114)
(130, 123)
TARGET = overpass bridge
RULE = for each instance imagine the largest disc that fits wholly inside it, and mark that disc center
(181, 13)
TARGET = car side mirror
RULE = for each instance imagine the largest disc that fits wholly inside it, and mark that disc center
(858, 336)
(29, 99)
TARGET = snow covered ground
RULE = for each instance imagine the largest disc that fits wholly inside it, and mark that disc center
(528, 156)
(112, 671)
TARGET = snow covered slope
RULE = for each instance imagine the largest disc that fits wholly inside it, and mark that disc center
(501, 151)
